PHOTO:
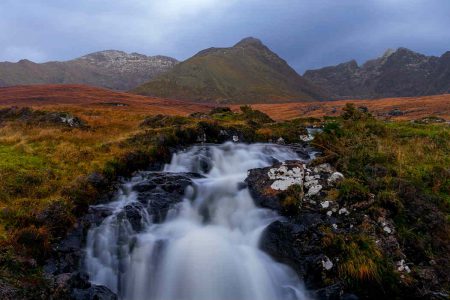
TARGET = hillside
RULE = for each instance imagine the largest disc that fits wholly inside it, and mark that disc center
(88, 98)
(248, 72)
(110, 69)
(399, 73)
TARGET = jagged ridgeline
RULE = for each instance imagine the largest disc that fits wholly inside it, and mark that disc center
(248, 72)
(111, 69)
(398, 73)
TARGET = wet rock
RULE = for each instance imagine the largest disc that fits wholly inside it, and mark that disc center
(159, 192)
(265, 184)
(278, 241)
(301, 151)
(76, 286)
(332, 292)
(231, 135)
(95, 292)
(298, 241)
(133, 213)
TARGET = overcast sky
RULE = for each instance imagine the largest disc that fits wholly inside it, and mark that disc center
(307, 33)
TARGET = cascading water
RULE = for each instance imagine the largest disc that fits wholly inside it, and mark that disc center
(207, 246)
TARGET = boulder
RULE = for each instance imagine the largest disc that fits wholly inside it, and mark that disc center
(266, 184)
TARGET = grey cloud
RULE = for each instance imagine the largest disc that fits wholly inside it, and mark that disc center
(307, 33)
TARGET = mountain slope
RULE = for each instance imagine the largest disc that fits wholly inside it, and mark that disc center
(245, 73)
(110, 69)
(400, 73)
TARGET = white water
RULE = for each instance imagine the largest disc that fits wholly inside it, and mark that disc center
(207, 248)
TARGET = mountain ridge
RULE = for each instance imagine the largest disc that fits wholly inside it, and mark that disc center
(247, 72)
(397, 73)
(111, 69)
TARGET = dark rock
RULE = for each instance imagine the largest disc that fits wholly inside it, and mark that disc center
(97, 180)
(36, 117)
(278, 241)
(395, 112)
(332, 292)
(399, 73)
(76, 286)
(133, 213)
(259, 184)
(301, 151)
(159, 192)
(200, 115)
(95, 292)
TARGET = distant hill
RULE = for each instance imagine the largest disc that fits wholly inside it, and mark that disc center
(65, 96)
(399, 73)
(111, 69)
(248, 72)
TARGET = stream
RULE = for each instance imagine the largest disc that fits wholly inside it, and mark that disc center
(199, 245)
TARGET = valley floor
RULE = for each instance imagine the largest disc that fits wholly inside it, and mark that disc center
(68, 147)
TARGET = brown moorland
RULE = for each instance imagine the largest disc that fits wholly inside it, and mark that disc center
(84, 96)
(411, 107)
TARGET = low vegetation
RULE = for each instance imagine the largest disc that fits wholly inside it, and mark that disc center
(52, 173)
(405, 168)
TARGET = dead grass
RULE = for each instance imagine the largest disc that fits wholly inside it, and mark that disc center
(413, 108)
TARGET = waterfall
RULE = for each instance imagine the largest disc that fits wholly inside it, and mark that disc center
(206, 248)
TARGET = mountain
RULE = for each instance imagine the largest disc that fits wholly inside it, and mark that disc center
(110, 69)
(399, 73)
(248, 72)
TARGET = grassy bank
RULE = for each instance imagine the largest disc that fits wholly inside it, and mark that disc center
(51, 173)
(406, 167)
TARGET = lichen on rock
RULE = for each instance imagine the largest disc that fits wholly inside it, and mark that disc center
(285, 177)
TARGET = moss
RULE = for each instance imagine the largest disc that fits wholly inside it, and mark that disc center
(361, 264)
(352, 191)
(390, 201)
(291, 200)
(404, 165)
(159, 121)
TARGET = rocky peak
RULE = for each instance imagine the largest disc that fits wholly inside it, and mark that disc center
(250, 42)
(397, 73)
(388, 52)
(349, 65)
(406, 56)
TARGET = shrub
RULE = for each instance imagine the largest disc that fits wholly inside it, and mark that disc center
(159, 121)
(256, 116)
(354, 114)
(352, 191)
(57, 218)
(390, 201)
(33, 241)
(220, 110)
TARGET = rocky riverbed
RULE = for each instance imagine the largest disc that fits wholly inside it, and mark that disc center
(308, 229)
